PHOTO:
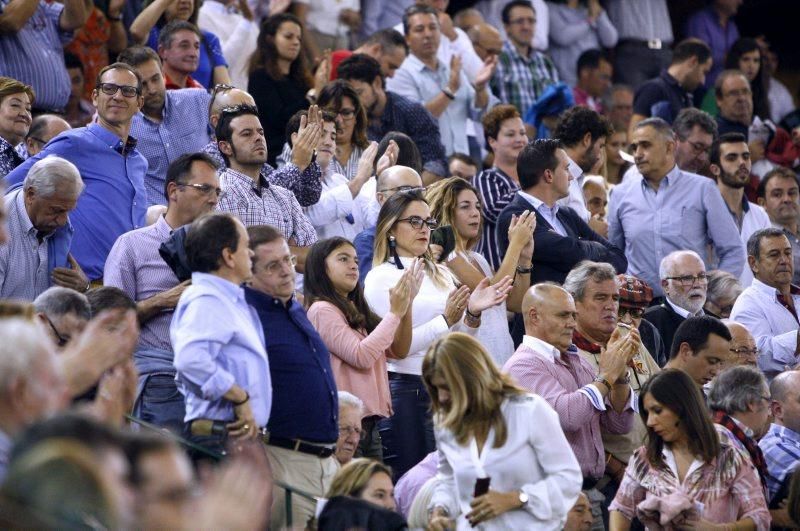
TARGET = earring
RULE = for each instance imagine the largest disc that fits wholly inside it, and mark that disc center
(393, 251)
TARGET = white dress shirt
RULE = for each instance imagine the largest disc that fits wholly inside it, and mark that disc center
(337, 213)
(773, 326)
(575, 199)
(535, 459)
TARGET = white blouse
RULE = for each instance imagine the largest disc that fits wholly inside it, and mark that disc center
(337, 213)
(536, 459)
(426, 311)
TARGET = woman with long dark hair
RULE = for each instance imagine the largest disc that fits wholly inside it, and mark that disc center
(687, 475)
(504, 461)
(359, 341)
(402, 237)
(745, 55)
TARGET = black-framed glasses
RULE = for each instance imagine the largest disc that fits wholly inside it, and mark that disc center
(417, 222)
(746, 352)
(635, 313)
(689, 280)
(204, 188)
(61, 340)
(37, 139)
(111, 88)
(346, 114)
(403, 188)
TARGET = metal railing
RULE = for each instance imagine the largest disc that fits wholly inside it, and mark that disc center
(216, 456)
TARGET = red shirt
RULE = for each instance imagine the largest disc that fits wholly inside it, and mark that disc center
(190, 83)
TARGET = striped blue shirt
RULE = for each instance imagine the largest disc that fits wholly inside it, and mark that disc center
(781, 448)
(114, 200)
(35, 55)
(183, 129)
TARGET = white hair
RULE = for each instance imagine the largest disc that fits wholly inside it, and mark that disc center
(350, 400)
(51, 173)
(22, 345)
(665, 268)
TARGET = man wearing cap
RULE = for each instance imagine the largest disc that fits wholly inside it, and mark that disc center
(634, 298)
(595, 290)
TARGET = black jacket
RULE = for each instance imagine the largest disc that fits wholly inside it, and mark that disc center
(666, 321)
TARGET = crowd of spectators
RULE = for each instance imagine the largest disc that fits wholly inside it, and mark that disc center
(316, 264)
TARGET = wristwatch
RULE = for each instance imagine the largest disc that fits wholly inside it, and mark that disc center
(524, 270)
(523, 499)
(600, 379)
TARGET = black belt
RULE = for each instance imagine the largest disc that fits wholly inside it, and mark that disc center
(404, 377)
(298, 446)
(652, 44)
(589, 483)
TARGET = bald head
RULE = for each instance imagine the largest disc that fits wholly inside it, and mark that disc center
(743, 343)
(393, 178)
(785, 386)
(549, 314)
(468, 18)
(595, 196)
(785, 391)
(43, 129)
(486, 40)
(228, 98)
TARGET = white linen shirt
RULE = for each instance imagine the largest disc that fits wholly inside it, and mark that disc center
(536, 459)
(773, 326)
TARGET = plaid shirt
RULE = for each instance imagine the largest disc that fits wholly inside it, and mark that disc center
(263, 203)
(521, 80)
(781, 447)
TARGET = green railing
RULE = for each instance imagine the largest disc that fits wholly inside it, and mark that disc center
(290, 491)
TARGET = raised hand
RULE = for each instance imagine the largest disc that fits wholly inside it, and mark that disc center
(486, 72)
(389, 157)
(455, 74)
(456, 304)
(485, 296)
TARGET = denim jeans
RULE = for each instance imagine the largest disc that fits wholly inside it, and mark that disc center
(408, 434)
(161, 403)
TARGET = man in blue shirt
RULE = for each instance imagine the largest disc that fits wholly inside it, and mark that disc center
(114, 201)
(222, 366)
(668, 209)
(781, 444)
(171, 123)
(303, 428)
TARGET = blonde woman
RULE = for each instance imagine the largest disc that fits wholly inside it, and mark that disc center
(455, 202)
(401, 237)
(366, 480)
(504, 462)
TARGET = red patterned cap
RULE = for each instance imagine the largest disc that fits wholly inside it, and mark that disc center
(633, 292)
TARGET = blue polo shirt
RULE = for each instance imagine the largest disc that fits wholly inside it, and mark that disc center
(304, 400)
(114, 200)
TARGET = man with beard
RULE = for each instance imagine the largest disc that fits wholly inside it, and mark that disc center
(388, 111)
(730, 164)
(583, 132)
(170, 123)
(779, 194)
(684, 281)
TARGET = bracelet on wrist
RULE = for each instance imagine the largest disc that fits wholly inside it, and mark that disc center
(524, 270)
(473, 315)
(447, 92)
(601, 380)
(246, 398)
(114, 19)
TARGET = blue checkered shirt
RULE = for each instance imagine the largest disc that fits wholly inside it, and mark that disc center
(781, 448)
(520, 80)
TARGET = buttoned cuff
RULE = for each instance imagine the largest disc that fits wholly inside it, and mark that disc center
(217, 385)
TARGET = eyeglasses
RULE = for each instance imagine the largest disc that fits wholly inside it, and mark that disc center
(635, 313)
(699, 147)
(520, 21)
(221, 87)
(404, 188)
(738, 92)
(233, 109)
(347, 431)
(60, 340)
(273, 268)
(111, 88)
(205, 189)
(346, 114)
(746, 352)
(689, 280)
(417, 222)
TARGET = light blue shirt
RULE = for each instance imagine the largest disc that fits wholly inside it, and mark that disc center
(549, 214)
(219, 342)
(419, 83)
(686, 212)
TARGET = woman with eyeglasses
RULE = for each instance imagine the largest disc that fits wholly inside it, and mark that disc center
(339, 98)
(686, 476)
(145, 29)
(359, 341)
(402, 236)
(504, 461)
(455, 202)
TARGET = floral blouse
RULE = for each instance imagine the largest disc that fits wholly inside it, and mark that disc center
(726, 490)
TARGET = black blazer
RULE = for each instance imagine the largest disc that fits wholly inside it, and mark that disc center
(666, 321)
(554, 255)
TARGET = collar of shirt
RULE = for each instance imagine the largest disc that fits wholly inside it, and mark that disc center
(167, 96)
(162, 228)
(667, 77)
(536, 202)
(544, 348)
(111, 139)
(514, 54)
(226, 287)
(575, 171)
(257, 186)
(782, 432)
(269, 302)
(669, 460)
(670, 179)
(190, 83)
(773, 292)
(415, 64)
(683, 312)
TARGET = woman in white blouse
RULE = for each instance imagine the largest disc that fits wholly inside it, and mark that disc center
(455, 202)
(403, 234)
(487, 427)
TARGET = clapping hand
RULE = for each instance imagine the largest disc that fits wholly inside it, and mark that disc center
(402, 294)
(485, 296)
(389, 157)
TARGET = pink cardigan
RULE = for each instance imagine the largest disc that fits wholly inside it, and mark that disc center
(358, 360)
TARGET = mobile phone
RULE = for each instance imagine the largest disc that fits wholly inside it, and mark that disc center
(481, 486)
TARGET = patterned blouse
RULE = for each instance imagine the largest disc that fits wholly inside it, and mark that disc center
(724, 491)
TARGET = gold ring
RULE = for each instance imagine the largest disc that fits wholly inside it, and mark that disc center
(247, 426)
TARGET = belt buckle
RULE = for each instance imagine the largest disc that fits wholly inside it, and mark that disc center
(654, 44)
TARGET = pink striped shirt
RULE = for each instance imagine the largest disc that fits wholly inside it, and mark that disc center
(567, 387)
(358, 360)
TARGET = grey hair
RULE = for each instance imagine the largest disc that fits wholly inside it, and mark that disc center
(23, 342)
(581, 274)
(722, 284)
(350, 400)
(665, 267)
(735, 388)
(690, 117)
(661, 127)
(58, 301)
(754, 241)
(51, 173)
